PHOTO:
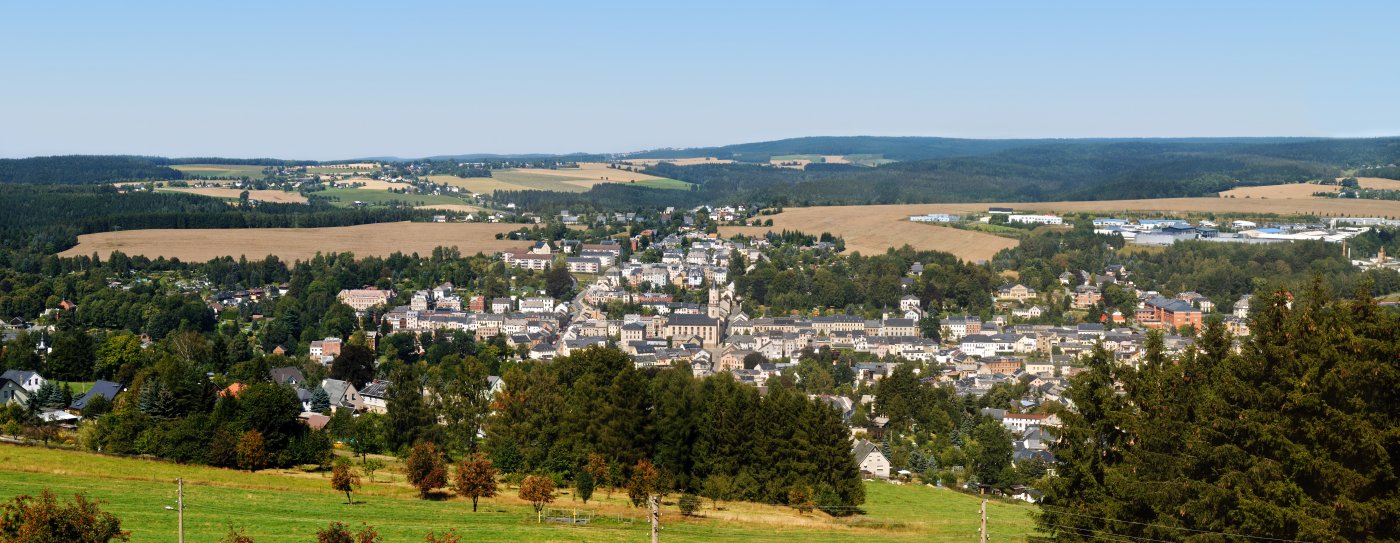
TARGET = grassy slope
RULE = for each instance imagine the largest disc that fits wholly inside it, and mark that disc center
(288, 506)
(347, 197)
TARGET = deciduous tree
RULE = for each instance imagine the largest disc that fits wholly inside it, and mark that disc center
(43, 519)
(425, 468)
(538, 490)
(475, 479)
(344, 479)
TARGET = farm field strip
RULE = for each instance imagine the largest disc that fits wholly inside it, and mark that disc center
(276, 196)
(220, 170)
(297, 243)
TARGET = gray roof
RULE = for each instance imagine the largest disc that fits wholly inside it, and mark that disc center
(863, 449)
(288, 375)
(106, 389)
(684, 319)
(335, 388)
(18, 376)
(377, 389)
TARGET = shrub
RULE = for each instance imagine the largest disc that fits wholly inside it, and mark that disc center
(689, 504)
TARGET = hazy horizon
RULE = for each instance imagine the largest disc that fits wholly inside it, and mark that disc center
(329, 81)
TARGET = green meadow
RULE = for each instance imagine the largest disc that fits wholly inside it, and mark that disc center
(289, 505)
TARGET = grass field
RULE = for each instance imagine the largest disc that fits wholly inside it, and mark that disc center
(297, 243)
(875, 228)
(221, 170)
(288, 505)
(277, 196)
(345, 197)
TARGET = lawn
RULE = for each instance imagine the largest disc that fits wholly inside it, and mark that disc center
(77, 387)
(221, 170)
(346, 197)
(287, 506)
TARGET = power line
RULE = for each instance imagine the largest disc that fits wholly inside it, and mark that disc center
(1064, 511)
(1110, 535)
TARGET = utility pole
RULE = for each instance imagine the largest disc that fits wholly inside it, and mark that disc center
(982, 532)
(180, 506)
(655, 501)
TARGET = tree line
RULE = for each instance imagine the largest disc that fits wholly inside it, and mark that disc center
(1289, 436)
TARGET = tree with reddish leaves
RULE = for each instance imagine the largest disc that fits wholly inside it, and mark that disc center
(339, 532)
(449, 536)
(344, 479)
(43, 519)
(426, 469)
(236, 535)
(476, 478)
(538, 490)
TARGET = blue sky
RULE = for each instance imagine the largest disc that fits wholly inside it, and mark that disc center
(328, 80)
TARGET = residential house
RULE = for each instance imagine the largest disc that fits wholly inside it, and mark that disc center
(871, 460)
(29, 380)
(343, 395)
(13, 392)
(106, 389)
(290, 376)
(375, 397)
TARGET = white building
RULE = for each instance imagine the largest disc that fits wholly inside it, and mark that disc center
(1035, 219)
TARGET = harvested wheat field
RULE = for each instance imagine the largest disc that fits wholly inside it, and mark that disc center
(479, 185)
(1323, 207)
(1378, 183)
(276, 196)
(1288, 190)
(872, 232)
(298, 243)
(677, 161)
(593, 171)
(374, 184)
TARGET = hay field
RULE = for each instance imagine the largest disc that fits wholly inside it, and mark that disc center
(1288, 190)
(297, 243)
(276, 196)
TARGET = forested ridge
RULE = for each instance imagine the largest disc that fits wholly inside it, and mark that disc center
(48, 218)
(995, 170)
(84, 169)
